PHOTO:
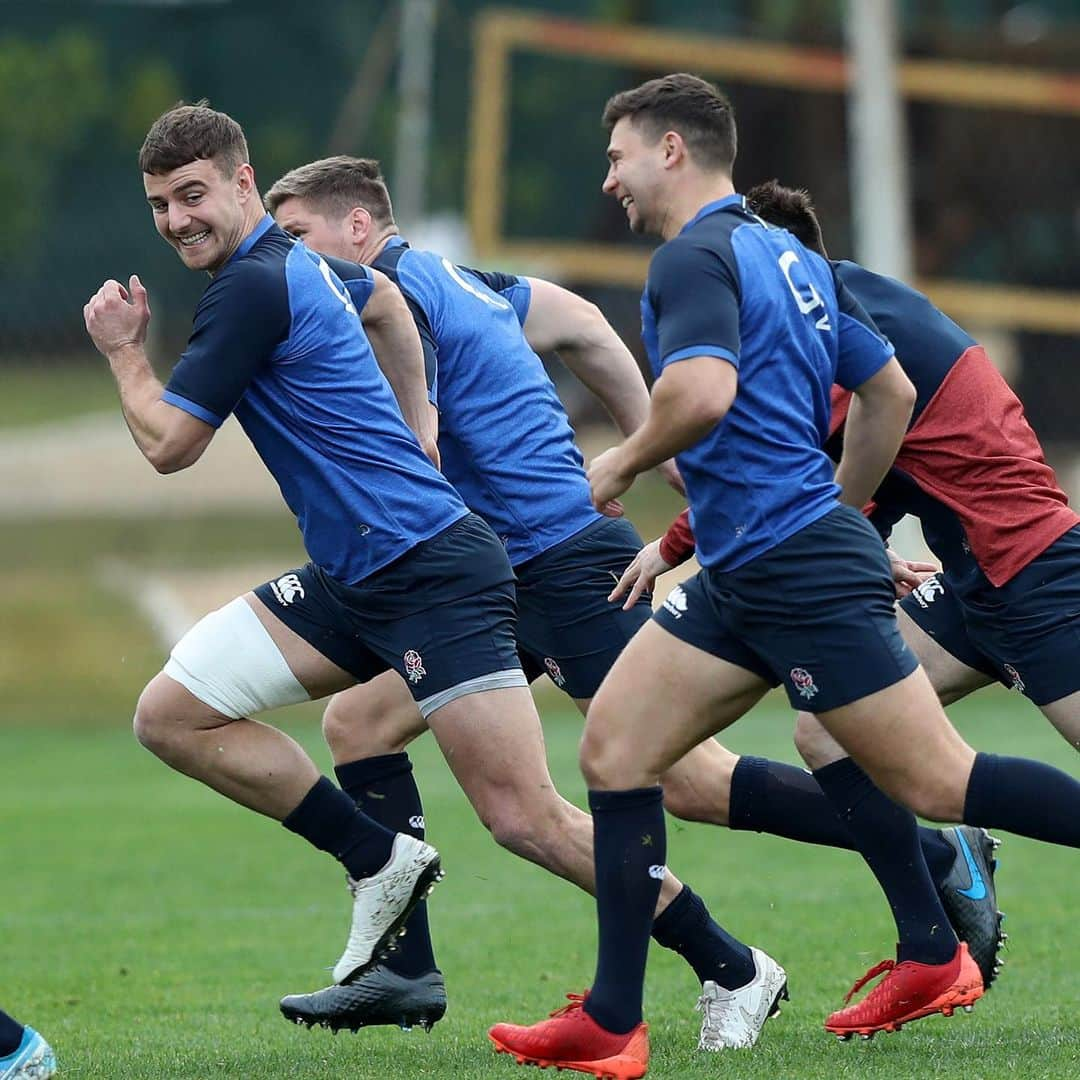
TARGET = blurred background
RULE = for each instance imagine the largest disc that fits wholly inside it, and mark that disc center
(149, 925)
(940, 139)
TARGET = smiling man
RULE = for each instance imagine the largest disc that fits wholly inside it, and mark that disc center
(401, 575)
(747, 330)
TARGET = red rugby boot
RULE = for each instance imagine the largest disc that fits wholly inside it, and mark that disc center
(572, 1039)
(909, 992)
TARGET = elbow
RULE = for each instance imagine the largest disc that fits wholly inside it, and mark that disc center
(710, 409)
(166, 461)
(906, 397)
(169, 458)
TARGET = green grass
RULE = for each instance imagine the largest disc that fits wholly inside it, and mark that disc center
(149, 926)
(44, 393)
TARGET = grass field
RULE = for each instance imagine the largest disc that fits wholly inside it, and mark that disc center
(149, 927)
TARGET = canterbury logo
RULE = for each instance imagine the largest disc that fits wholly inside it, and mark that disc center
(287, 589)
(676, 602)
(416, 822)
(657, 872)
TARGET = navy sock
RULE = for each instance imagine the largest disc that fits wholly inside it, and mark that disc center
(784, 800)
(11, 1033)
(384, 788)
(887, 837)
(1025, 797)
(686, 927)
(329, 820)
(630, 847)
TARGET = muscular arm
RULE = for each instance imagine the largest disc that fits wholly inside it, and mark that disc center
(876, 424)
(169, 438)
(563, 322)
(393, 336)
(688, 400)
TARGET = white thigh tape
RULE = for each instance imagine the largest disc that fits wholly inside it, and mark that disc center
(229, 661)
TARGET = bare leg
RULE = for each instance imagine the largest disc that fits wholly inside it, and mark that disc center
(248, 761)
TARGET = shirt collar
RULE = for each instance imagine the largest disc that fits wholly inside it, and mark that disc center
(712, 207)
(252, 238)
(396, 241)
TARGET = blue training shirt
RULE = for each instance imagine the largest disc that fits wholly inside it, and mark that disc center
(504, 438)
(277, 340)
(733, 287)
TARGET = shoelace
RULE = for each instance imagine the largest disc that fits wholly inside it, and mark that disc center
(717, 1012)
(878, 969)
(576, 1002)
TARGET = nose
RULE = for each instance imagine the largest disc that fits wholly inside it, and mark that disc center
(178, 218)
(608, 186)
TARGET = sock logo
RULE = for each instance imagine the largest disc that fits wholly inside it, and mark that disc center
(416, 822)
(657, 871)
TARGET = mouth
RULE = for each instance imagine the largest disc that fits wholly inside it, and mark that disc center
(193, 240)
(625, 201)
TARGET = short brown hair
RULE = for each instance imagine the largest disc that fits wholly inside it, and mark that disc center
(694, 108)
(791, 209)
(189, 133)
(334, 186)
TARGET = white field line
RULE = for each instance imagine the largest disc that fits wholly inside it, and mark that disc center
(157, 601)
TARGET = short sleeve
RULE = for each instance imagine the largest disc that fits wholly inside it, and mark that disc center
(694, 294)
(509, 286)
(241, 319)
(863, 350)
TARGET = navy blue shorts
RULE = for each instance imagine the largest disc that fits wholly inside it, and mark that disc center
(1026, 634)
(815, 613)
(442, 616)
(567, 628)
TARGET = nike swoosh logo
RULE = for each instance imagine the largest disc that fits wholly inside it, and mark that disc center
(977, 889)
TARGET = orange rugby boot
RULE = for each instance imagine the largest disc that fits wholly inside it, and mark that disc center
(572, 1039)
(909, 992)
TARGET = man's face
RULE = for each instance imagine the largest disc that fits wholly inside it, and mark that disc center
(201, 213)
(327, 237)
(635, 172)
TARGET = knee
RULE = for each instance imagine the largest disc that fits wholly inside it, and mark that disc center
(608, 763)
(815, 745)
(156, 727)
(685, 803)
(515, 827)
(939, 797)
(356, 726)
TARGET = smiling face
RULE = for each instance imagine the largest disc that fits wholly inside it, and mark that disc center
(335, 238)
(201, 213)
(635, 176)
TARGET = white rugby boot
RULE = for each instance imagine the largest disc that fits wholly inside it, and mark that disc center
(383, 903)
(733, 1019)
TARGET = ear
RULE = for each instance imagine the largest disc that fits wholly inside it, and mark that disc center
(245, 181)
(673, 147)
(359, 224)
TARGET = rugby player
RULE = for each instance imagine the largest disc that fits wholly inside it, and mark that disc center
(401, 575)
(1005, 602)
(796, 586)
(24, 1054)
(507, 447)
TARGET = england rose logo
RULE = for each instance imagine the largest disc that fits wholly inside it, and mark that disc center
(803, 681)
(555, 672)
(414, 666)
